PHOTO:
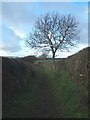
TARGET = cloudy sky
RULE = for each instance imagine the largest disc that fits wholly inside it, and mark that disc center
(18, 19)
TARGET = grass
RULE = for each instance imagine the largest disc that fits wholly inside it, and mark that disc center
(69, 94)
(48, 95)
(36, 100)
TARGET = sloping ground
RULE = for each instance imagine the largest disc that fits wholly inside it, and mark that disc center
(48, 95)
(79, 65)
(15, 75)
(44, 93)
(37, 100)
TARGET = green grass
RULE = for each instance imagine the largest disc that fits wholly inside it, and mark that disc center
(48, 94)
(36, 100)
(69, 94)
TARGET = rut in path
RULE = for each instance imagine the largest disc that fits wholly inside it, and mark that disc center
(40, 102)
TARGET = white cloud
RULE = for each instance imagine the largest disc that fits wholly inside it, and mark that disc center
(18, 32)
(28, 51)
(10, 41)
(4, 53)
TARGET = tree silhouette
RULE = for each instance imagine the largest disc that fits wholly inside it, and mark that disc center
(54, 32)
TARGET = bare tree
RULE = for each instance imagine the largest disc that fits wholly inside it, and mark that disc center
(54, 32)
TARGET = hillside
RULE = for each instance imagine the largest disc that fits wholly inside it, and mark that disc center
(78, 65)
(15, 75)
(29, 84)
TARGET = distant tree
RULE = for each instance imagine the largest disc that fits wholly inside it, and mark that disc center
(54, 32)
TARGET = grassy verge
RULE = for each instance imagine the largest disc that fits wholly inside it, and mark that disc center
(68, 94)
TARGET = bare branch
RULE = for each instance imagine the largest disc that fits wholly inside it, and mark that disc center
(55, 32)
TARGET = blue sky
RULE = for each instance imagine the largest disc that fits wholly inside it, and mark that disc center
(18, 19)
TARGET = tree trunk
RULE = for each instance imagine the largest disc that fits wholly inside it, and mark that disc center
(53, 60)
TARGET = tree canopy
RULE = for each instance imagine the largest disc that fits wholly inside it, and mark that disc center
(53, 32)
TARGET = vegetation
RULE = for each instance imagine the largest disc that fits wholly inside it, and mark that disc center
(72, 95)
(48, 95)
(68, 93)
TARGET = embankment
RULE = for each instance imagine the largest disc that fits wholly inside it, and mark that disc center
(16, 74)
